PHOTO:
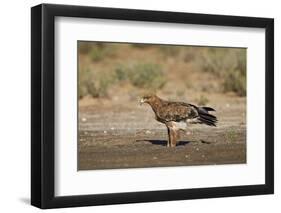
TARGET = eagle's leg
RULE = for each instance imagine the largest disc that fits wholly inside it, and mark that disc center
(174, 138)
(169, 137)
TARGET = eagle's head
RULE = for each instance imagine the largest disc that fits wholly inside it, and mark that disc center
(148, 99)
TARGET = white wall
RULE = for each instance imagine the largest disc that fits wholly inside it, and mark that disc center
(15, 105)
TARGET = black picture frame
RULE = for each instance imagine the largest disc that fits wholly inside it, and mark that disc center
(43, 102)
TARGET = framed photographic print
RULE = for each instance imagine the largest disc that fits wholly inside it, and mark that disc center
(139, 106)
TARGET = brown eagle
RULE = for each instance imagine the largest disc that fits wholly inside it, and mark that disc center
(177, 115)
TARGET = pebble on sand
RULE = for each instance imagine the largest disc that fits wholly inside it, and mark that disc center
(147, 132)
(84, 119)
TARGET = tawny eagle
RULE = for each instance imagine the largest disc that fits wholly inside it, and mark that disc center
(178, 115)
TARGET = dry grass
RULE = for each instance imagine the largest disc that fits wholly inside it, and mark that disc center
(142, 75)
(228, 64)
(104, 66)
(202, 100)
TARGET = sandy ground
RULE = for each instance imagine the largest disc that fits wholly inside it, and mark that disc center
(127, 136)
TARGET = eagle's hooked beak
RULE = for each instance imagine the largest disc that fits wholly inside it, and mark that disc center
(142, 101)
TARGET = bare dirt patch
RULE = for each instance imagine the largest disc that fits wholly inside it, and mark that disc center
(129, 137)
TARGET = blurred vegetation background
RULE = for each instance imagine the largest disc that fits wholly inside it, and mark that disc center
(114, 70)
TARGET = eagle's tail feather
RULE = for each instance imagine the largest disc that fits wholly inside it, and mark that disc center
(208, 109)
(205, 117)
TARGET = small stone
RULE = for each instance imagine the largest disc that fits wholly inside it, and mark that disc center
(197, 149)
(84, 119)
(186, 156)
(155, 158)
(104, 131)
(112, 128)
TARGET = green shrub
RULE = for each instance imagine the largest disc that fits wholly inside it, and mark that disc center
(96, 54)
(235, 79)
(94, 85)
(97, 51)
(142, 75)
(102, 86)
(82, 91)
(228, 64)
(147, 75)
(82, 82)
(203, 100)
(122, 72)
(235, 82)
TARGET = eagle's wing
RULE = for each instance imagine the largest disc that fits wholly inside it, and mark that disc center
(177, 111)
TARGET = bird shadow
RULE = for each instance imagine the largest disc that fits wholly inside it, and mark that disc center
(164, 142)
(179, 143)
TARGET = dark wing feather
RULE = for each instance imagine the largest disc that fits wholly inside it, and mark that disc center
(208, 109)
(207, 118)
